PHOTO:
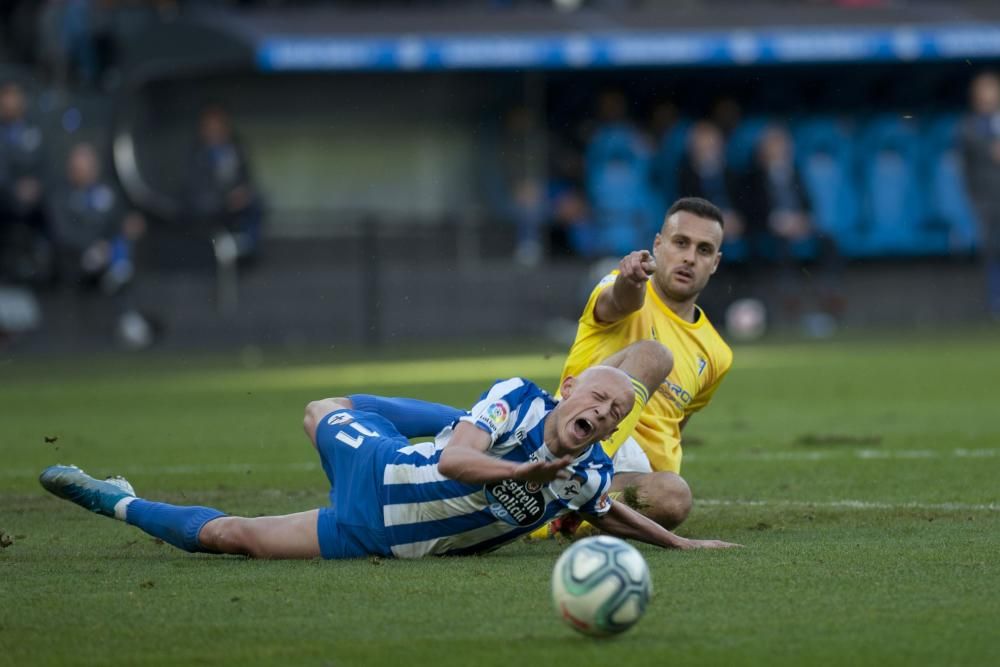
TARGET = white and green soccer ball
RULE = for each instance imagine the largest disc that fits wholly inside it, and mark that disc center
(600, 586)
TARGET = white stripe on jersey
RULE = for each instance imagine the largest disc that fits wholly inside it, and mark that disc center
(434, 510)
(441, 545)
(497, 391)
(408, 473)
(536, 413)
(425, 449)
(425, 522)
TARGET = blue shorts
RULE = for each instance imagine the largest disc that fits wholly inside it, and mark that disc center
(354, 447)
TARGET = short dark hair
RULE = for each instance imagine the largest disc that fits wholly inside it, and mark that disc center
(696, 206)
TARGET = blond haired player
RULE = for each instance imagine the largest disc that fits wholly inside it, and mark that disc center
(653, 296)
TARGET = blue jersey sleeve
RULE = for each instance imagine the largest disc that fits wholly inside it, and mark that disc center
(495, 411)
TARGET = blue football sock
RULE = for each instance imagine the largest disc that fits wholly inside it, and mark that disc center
(413, 418)
(173, 524)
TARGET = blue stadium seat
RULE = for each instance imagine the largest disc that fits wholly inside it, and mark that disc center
(624, 206)
(948, 204)
(619, 139)
(824, 153)
(626, 209)
(892, 212)
(667, 160)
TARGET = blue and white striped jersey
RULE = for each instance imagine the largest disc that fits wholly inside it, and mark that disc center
(427, 513)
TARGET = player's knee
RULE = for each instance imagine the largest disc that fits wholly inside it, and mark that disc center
(657, 358)
(316, 410)
(666, 498)
(663, 358)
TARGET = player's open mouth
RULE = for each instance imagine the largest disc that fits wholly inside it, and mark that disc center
(582, 428)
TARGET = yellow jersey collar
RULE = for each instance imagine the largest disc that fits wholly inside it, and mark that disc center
(698, 323)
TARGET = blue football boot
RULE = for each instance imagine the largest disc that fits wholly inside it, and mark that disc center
(73, 484)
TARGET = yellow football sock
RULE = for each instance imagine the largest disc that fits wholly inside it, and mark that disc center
(627, 425)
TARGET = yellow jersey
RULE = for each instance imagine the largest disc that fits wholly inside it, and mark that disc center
(701, 359)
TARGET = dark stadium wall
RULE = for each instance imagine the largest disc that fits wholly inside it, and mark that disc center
(323, 145)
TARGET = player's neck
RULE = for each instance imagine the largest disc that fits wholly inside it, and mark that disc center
(683, 309)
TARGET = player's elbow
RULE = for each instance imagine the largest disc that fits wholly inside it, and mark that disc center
(447, 465)
(451, 465)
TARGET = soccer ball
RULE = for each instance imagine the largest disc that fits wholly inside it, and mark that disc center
(600, 586)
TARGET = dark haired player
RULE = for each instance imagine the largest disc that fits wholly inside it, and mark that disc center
(653, 296)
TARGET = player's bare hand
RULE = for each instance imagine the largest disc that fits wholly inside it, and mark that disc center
(543, 472)
(708, 544)
(637, 266)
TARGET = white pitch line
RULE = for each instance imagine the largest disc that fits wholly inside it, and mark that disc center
(702, 457)
(850, 505)
(237, 468)
(859, 454)
(225, 468)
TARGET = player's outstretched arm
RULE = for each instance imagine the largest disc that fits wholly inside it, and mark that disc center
(464, 459)
(624, 522)
(628, 292)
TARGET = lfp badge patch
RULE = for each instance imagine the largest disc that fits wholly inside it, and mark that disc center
(496, 415)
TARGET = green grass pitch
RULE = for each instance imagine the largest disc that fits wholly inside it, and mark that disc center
(863, 478)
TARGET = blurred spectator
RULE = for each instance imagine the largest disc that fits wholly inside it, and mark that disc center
(727, 114)
(18, 34)
(774, 200)
(76, 40)
(703, 173)
(980, 139)
(626, 209)
(666, 132)
(221, 197)
(780, 226)
(95, 236)
(522, 181)
(24, 253)
(662, 118)
(571, 229)
(615, 132)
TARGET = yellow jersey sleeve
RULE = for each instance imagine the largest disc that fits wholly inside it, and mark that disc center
(587, 317)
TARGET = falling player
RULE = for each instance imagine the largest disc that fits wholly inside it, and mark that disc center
(517, 460)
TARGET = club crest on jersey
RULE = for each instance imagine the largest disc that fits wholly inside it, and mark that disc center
(495, 416)
(567, 489)
(339, 418)
(516, 503)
